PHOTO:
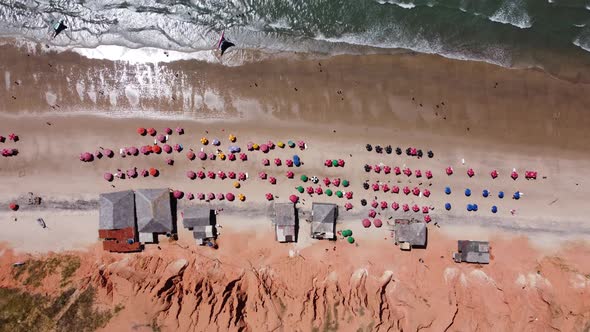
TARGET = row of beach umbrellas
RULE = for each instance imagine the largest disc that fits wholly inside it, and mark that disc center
(131, 174)
(397, 170)
(241, 176)
(152, 131)
(270, 145)
(10, 152)
(471, 207)
(411, 151)
(334, 163)
(396, 189)
(178, 194)
(335, 181)
(529, 175)
(296, 161)
(328, 192)
(11, 137)
(485, 193)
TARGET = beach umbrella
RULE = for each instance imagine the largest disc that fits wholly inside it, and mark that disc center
(234, 149)
(448, 206)
(329, 192)
(220, 196)
(191, 175)
(201, 174)
(419, 154)
(201, 196)
(108, 176)
(132, 173)
(428, 174)
(304, 178)
(341, 162)
(470, 172)
(448, 190)
(161, 138)
(120, 174)
(427, 218)
(232, 138)
(204, 140)
(365, 185)
(386, 169)
(467, 192)
(291, 144)
(270, 144)
(395, 189)
(366, 223)
(398, 151)
(425, 209)
(335, 163)
(310, 190)
(327, 181)
(346, 232)
(469, 207)
(191, 155)
(372, 213)
(211, 175)
(278, 162)
(406, 190)
(430, 154)
(98, 154)
(265, 162)
(416, 191)
(414, 152)
(250, 146)
(242, 176)
(319, 190)
(405, 207)
(212, 156)
(494, 209)
(216, 142)
(375, 186)
(231, 157)
(474, 207)
(374, 204)
(395, 206)
(231, 175)
(280, 144)
(350, 240)
(236, 184)
(230, 197)
(315, 179)
(177, 147)
(144, 172)
(369, 147)
(426, 193)
(294, 199)
(363, 202)
(300, 189)
(514, 175)
(290, 174)
(385, 188)
(85, 157)
(501, 194)
(336, 182)
(13, 206)
(221, 155)
(177, 194)
(167, 148)
(2, 139)
(339, 194)
(418, 173)
(516, 195)
(377, 169)
(348, 195)
(388, 149)
(156, 149)
(301, 145)
(485, 193)
(255, 146)
(272, 180)
(141, 131)
(378, 149)
(243, 156)
(397, 170)
(211, 196)
(415, 208)
(168, 131)
(345, 183)
(348, 206)
(269, 196)
(264, 148)
(407, 171)
(384, 205)
(221, 175)
(152, 131)
(296, 161)
(409, 151)
(179, 130)
(289, 162)
(367, 168)
(190, 196)
(328, 163)
(494, 174)
(449, 170)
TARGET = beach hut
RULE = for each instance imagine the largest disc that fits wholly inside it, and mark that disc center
(285, 221)
(409, 234)
(201, 221)
(448, 206)
(116, 221)
(323, 224)
(154, 213)
(472, 252)
(366, 223)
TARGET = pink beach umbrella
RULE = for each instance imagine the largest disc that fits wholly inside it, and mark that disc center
(265, 162)
(395, 189)
(269, 197)
(310, 190)
(191, 175)
(289, 163)
(200, 196)
(294, 199)
(377, 169)
(514, 175)
(336, 182)
(250, 146)
(98, 154)
(179, 130)
(386, 169)
(190, 196)
(177, 194)
(416, 191)
(385, 188)
(428, 174)
(201, 174)
(470, 172)
(145, 149)
(375, 186)
(242, 176)
(319, 190)
(210, 196)
(406, 190)
(108, 176)
(341, 162)
(202, 155)
(372, 213)
(231, 157)
(272, 180)
(418, 173)
(168, 131)
(231, 175)
(221, 175)
(427, 219)
(144, 173)
(327, 182)
(212, 156)
(415, 208)
(425, 209)
(407, 171)
(177, 147)
(413, 151)
(449, 170)
(301, 145)
(395, 206)
(348, 195)
(109, 153)
(161, 138)
(170, 161)
(366, 223)
(243, 157)
(384, 205)
(426, 193)
(278, 162)
(230, 197)
(13, 137)
(152, 131)
(211, 175)
(132, 173)
(377, 223)
(494, 174)
(86, 157)
(397, 170)
(348, 206)
(120, 174)
(167, 148)
(262, 175)
(405, 207)
(374, 204)
(220, 196)
(264, 148)
(290, 174)
(328, 163)
(191, 155)
(270, 144)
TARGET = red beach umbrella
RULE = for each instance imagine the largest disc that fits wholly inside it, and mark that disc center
(406, 190)
(428, 174)
(161, 138)
(374, 204)
(319, 190)
(177, 147)
(416, 191)
(152, 131)
(191, 175)
(231, 175)
(141, 131)
(272, 180)
(202, 155)
(230, 197)
(348, 206)
(385, 188)
(179, 130)
(327, 182)
(294, 198)
(426, 193)
(243, 157)
(386, 169)
(397, 170)
(384, 205)
(372, 213)
(427, 218)
(341, 162)
(231, 157)
(418, 173)
(514, 175)
(168, 131)
(328, 163)
(494, 174)
(211, 196)
(242, 176)
(336, 182)
(348, 195)
(220, 196)
(377, 169)
(290, 174)
(201, 174)
(377, 223)
(154, 172)
(425, 209)
(108, 176)
(413, 151)
(415, 208)
(269, 197)
(156, 149)
(395, 190)
(265, 162)
(470, 172)
(310, 190)
(407, 171)
(289, 162)
(264, 148)
(449, 170)
(211, 156)
(375, 186)
(201, 196)
(221, 175)
(211, 175)
(13, 206)
(167, 148)
(405, 207)
(262, 175)
(278, 162)
(366, 223)
(395, 206)
(177, 194)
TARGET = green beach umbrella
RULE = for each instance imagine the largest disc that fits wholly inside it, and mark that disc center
(291, 144)
(329, 192)
(334, 162)
(304, 178)
(339, 194)
(345, 183)
(350, 240)
(346, 232)
(300, 189)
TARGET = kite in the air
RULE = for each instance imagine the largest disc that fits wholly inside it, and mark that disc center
(224, 44)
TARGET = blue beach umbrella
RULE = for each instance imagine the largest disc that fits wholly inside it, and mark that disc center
(485, 193)
(501, 194)
(469, 207)
(516, 195)
(448, 206)
(474, 207)
(494, 209)
(467, 192)
(448, 190)
(296, 161)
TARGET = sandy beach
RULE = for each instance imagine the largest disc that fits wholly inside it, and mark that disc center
(470, 114)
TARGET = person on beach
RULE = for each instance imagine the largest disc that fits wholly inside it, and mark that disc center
(224, 44)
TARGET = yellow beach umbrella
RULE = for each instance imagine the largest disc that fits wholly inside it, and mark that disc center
(280, 144)
(256, 146)
(204, 141)
(236, 184)
(232, 138)
(241, 197)
(221, 156)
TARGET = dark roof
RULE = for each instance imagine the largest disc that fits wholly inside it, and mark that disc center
(284, 214)
(473, 252)
(413, 232)
(154, 212)
(116, 210)
(194, 216)
(324, 217)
